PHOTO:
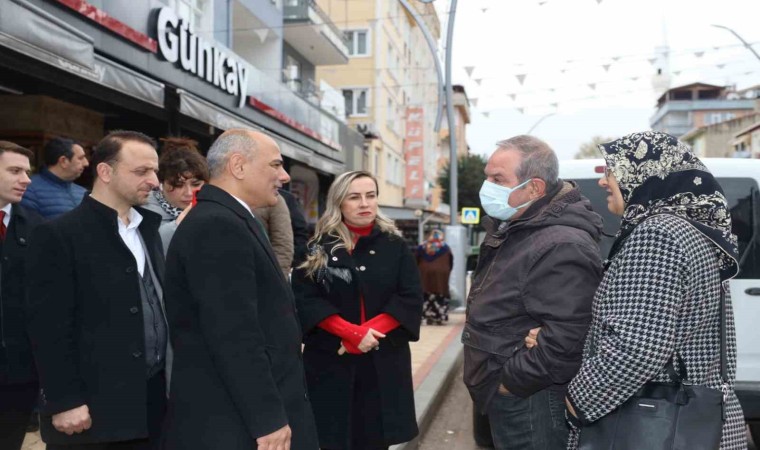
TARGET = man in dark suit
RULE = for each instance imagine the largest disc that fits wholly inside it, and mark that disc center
(97, 321)
(238, 381)
(18, 377)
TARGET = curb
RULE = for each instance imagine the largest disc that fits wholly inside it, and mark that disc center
(431, 391)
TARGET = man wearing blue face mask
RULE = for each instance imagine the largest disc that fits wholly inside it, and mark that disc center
(539, 267)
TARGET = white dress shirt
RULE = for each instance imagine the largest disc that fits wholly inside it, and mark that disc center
(7, 218)
(129, 234)
(245, 205)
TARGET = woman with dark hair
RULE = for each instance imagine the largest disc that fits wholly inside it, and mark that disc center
(360, 303)
(657, 313)
(435, 261)
(182, 170)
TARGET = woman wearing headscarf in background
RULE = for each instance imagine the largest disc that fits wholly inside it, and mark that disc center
(182, 170)
(659, 301)
(435, 261)
(360, 302)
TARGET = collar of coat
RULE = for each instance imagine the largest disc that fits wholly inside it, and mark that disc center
(328, 243)
(150, 222)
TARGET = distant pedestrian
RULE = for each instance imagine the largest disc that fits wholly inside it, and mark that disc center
(53, 191)
(435, 261)
(18, 377)
(360, 303)
(182, 171)
(97, 321)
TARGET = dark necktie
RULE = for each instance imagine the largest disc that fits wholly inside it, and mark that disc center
(261, 227)
(3, 228)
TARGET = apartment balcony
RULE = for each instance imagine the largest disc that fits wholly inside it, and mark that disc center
(309, 30)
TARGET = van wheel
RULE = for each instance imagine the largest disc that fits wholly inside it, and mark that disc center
(481, 429)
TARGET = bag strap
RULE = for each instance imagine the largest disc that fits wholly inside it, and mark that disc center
(723, 345)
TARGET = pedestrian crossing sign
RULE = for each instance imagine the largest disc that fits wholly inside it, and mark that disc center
(471, 216)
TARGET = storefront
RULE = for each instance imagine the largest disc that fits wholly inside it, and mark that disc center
(71, 69)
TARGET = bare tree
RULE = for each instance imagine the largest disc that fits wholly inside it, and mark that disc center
(590, 150)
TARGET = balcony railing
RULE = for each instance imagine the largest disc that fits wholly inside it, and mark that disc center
(298, 10)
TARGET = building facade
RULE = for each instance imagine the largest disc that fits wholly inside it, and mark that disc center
(733, 138)
(681, 109)
(390, 92)
(79, 68)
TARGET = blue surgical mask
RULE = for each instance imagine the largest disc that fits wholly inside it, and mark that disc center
(495, 200)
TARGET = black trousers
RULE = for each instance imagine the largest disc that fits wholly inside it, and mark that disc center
(156, 410)
(16, 404)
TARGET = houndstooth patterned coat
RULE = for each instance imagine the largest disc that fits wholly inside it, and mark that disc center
(660, 294)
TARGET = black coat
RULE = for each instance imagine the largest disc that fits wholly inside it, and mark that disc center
(86, 322)
(384, 273)
(237, 371)
(299, 225)
(16, 361)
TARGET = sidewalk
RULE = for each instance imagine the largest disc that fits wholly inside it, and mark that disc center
(434, 357)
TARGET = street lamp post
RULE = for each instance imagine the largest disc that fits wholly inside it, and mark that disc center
(456, 235)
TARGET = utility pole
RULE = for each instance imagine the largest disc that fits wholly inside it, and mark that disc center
(456, 234)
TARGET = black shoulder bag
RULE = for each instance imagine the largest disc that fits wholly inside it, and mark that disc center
(666, 416)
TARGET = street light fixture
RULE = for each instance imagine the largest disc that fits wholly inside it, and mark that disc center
(541, 119)
(746, 44)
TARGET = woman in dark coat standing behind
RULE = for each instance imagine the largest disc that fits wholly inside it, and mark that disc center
(435, 261)
(360, 303)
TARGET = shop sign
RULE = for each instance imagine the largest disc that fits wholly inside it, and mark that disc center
(177, 44)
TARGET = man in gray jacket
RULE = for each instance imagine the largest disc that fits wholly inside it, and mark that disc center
(539, 267)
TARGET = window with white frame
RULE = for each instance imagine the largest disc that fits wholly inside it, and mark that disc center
(356, 100)
(358, 42)
(191, 11)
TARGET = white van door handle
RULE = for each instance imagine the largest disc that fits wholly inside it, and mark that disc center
(752, 291)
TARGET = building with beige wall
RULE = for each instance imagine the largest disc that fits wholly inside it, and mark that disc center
(390, 69)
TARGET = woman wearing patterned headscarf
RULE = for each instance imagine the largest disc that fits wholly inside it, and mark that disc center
(435, 260)
(660, 295)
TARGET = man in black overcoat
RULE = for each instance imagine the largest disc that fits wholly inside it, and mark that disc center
(238, 381)
(18, 377)
(97, 321)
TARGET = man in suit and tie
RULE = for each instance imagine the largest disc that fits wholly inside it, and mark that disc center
(238, 375)
(18, 377)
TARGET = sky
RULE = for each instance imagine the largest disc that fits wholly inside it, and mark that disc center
(587, 66)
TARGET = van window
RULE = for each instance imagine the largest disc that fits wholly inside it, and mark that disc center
(742, 195)
(743, 201)
(598, 197)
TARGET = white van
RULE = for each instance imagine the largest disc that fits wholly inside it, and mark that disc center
(740, 180)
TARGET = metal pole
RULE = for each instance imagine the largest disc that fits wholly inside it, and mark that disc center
(434, 52)
(746, 44)
(453, 163)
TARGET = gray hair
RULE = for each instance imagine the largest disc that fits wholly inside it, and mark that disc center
(538, 159)
(224, 146)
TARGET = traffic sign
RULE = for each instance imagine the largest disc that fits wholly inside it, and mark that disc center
(471, 216)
